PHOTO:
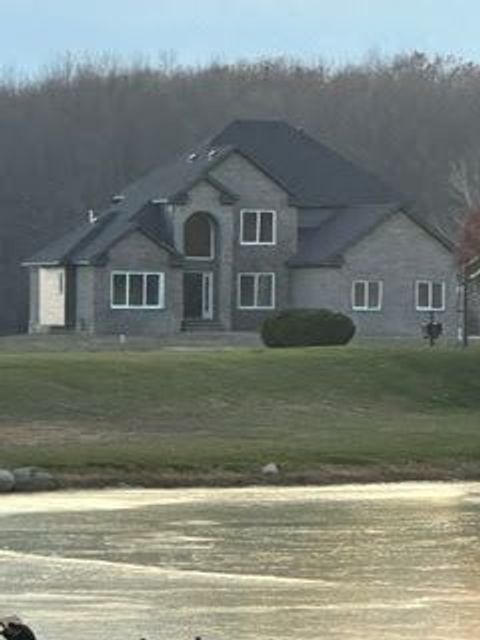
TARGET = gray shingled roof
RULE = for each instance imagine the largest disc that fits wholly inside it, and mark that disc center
(312, 173)
(58, 251)
(89, 243)
(324, 235)
(325, 243)
(172, 181)
(324, 185)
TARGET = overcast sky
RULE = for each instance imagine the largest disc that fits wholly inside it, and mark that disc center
(35, 32)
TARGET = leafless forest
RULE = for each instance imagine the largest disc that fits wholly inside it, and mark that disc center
(85, 128)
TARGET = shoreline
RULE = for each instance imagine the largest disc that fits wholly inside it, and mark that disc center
(324, 476)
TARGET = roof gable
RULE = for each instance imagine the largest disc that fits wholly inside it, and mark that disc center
(312, 173)
(326, 243)
(226, 196)
(89, 243)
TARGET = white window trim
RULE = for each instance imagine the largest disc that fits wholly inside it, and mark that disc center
(256, 276)
(161, 289)
(430, 284)
(258, 213)
(365, 307)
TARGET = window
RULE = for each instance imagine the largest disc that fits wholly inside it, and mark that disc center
(135, 290)
(367, 295)
(257, 227)
(256, 291)
(199, 237)
(61, 283)
(429, 295)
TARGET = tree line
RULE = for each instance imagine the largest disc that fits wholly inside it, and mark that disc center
(84, 128)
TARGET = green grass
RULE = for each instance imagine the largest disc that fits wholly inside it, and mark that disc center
(235, 410)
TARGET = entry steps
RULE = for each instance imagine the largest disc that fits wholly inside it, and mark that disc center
(194, 324)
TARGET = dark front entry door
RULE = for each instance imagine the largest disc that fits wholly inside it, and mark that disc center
(197, 295)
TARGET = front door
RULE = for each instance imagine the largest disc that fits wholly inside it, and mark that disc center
(198, 295)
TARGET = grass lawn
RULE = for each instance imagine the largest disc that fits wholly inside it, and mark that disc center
(233, 411)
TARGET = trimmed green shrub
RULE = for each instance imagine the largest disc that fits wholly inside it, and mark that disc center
(307, 328)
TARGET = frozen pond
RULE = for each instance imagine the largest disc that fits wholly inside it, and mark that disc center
(376, 562)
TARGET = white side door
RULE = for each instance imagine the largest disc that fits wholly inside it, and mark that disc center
(51, 292)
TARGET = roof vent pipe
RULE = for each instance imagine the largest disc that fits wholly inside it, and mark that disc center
(92, 218)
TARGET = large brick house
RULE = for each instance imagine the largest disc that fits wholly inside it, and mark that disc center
(258, 218)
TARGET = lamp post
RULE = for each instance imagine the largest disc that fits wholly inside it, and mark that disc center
(465, 308)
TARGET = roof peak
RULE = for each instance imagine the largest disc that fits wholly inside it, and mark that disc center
(259, 122)
(267, 120)
(312, 172)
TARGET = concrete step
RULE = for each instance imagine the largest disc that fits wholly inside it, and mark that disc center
(202, 325)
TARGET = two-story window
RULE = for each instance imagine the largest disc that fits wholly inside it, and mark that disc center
(367, 295)
(429, 295)
(258, 226)
(256, 290)
(199, 237)
(137, 290)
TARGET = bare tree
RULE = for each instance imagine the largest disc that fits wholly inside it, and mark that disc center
(464, 183)
(468, 259)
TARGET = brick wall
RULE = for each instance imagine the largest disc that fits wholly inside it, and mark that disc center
(135, 252)
(399, 252)
(257, 191)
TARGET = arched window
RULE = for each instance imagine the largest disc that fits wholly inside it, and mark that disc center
(199, 237)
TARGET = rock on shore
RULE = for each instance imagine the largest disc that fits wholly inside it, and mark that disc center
(26, 479)
(7, 481)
